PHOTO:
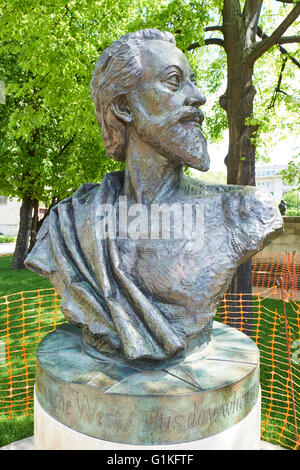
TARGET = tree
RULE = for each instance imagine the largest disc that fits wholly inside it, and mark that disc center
(49, 140)
(56, 46)
(242, 33)
(216, 177)
(292, 174)
(292, 200)
(38, 163)
(240, 30)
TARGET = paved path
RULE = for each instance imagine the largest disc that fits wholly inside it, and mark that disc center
(23, 444)
(27, 444)
(7, 248)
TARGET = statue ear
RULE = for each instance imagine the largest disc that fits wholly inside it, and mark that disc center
(121, 109)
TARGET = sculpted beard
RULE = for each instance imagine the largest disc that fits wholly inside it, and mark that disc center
(176, 136)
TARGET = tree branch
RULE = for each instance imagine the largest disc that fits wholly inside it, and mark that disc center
(288, 39)
(213, 28)
(251, 14)
(63, 148)
(216, 41)
(260, 48)
(262, 35)
(207, 42)
(277, 89)
(285, 1)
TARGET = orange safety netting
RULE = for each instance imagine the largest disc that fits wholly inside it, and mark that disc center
(274, 325)
(267, 268)
(271, 316)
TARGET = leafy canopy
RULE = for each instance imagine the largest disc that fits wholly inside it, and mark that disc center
(49, 140)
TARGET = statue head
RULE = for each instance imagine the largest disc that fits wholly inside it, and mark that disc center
(143, 84)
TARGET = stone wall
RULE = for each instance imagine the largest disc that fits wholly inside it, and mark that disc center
(9, 217)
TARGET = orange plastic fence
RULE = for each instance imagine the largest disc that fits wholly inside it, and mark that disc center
(274, 325)
(25, 318)
(271, 318)
(267, 268)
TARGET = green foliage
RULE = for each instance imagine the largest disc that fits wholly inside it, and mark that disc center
(10, 282)
(276, 112)
(292, 200)
(292, 175)
(210, 67)
(50, 142)
(214, 177)
(276, 79)
(4, 239)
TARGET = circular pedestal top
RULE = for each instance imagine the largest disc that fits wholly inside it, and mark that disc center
(191, 399)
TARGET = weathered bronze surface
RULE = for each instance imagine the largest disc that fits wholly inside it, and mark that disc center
(141, 295)
(205, 393)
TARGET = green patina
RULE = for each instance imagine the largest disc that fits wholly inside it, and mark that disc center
(200, 395)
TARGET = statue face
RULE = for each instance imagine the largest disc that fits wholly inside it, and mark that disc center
(165, 105)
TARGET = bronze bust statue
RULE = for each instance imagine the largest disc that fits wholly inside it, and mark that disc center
(149, 296)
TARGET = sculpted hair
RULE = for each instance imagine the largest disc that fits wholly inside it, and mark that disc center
(116, 73)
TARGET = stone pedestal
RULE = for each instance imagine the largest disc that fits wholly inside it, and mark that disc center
(208, 399)
(50, 434)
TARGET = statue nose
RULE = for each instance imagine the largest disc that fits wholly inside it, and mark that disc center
(195, 98)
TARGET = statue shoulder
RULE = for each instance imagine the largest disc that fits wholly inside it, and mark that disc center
(197, 186)
(250, 201)
(239, 203)
(253, 218)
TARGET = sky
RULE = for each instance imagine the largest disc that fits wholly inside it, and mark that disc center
(280, 154)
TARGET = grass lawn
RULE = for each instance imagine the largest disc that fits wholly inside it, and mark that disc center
(18, 280)
(277, 410)
(268, 330)
(10, 282)
(12, 430)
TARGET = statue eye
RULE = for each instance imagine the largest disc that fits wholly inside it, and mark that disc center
(174, 80)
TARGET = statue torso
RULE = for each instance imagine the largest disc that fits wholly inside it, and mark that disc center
(151, 296)
(187, 277)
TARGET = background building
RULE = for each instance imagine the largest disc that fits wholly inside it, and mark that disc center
(9, 216)
(269, 177)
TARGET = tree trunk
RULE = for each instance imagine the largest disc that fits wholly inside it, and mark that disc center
(239, 30)
(34, 225)
(21, 249)
(241, 284)
(240, 160)
(238, 104)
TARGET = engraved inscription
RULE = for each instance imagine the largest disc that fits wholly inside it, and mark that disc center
(156, 420)
(57, 401)
(160, 422)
